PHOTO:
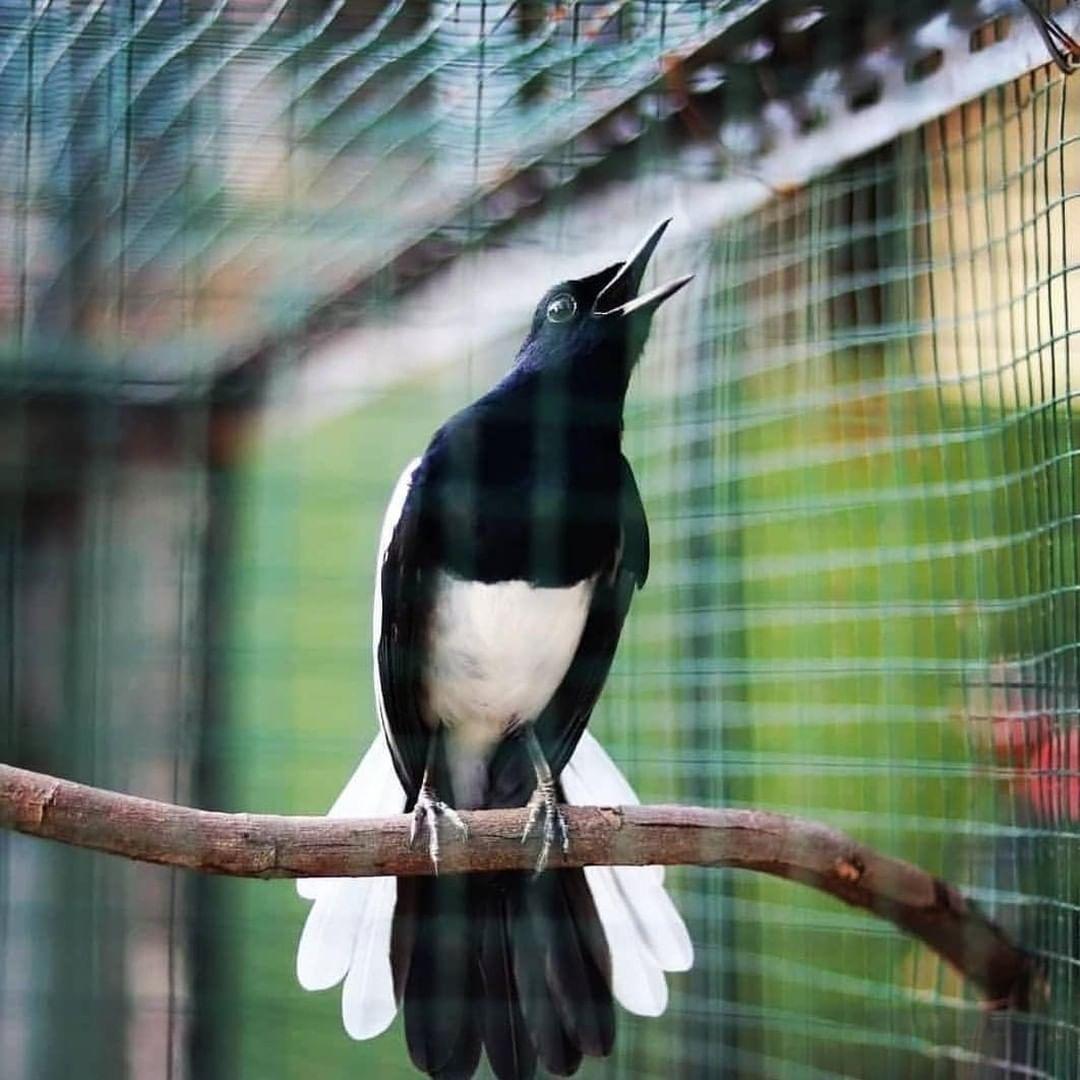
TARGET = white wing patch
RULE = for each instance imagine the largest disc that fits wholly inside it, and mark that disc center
(386, 534)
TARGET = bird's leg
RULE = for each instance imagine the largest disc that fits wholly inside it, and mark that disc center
(427, 811)
(543, 804)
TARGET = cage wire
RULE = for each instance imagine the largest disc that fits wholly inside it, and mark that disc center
(253, 253)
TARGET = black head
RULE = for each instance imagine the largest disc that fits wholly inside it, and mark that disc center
(594, 328)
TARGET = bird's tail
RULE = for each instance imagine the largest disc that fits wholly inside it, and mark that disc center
(515, 964)
(525, 967)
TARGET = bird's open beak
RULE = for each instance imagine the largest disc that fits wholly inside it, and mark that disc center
(619, 296)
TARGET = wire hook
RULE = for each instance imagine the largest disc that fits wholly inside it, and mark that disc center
(1064, 48)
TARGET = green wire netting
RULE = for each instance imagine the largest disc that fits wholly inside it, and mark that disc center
(854, 434)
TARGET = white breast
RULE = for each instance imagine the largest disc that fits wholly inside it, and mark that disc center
(497, 653)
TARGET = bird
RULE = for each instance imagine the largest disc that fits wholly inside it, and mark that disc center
(509, 554)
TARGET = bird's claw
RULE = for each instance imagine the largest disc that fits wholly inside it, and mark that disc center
(426, 813)
(543, 804)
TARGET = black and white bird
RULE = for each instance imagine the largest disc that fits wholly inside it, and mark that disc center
(509, 555)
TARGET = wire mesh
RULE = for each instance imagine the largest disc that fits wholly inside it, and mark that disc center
(854, 434)
(148, 148)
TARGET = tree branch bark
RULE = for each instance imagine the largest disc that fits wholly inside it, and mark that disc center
(271, 846)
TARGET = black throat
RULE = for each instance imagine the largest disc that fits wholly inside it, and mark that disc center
(525, 483)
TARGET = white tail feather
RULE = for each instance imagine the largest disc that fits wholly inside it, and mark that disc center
(373, 790)
(591, 778)
(350, 914)
(326, 942)
(367, 1000)
(637, 981)
(659, 924)
(646, 935)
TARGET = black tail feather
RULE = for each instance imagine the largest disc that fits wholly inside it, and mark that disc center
(577, 962)
(556, 1051)
(517, 963)
(441, 971)
(466, 1056)
(509, 1045)
(403, 933)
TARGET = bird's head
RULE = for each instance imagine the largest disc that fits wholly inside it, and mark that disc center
(594, 328)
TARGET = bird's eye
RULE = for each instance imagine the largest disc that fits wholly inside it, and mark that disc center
(562, 309)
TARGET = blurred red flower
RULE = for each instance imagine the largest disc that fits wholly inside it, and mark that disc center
(1052, 776)
(1011, 721)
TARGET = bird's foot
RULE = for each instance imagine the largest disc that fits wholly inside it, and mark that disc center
(544, 805)
(425, 816)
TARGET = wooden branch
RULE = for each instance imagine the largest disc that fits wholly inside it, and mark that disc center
(271, 846)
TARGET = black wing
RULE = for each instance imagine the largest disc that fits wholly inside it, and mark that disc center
(560, 725)
(405, 590)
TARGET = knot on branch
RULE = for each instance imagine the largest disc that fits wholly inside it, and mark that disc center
(850, 869)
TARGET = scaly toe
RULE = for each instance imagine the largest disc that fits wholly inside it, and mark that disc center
(455, 817)
(554, 831)
(564, 831)
(542, 859)
(530, 822)
(433, 843)
(426, 814)
(545, 847)
(418, 815)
